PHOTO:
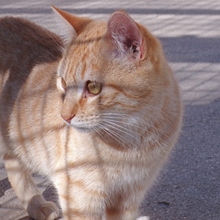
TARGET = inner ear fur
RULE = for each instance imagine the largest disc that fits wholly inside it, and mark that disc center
(125, 36)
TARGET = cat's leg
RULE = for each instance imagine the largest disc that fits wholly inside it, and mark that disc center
(143, 218)
(27, 192)
(82, 207)
(122, 213)
(124, 207)
(79, 201)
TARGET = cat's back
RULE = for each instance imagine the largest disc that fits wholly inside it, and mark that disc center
(29, 55)
(23, 44)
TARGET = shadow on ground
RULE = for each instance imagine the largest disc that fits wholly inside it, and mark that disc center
(191, 180)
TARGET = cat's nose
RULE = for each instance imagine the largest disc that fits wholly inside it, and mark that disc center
(67, 118)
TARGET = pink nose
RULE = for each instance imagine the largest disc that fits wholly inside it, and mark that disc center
(68, 118)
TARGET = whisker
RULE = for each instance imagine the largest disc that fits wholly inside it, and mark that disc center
(114, 115)
(152, 134)
(143, 123)
(121, 116)
(97, 131)
(123, 138)
(122, 129)
(114, 135)
(114, 120)
(123, 119)
(140, 123)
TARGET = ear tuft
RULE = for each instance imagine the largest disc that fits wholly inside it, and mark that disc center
(65, 29)
(125, 35)
(69, 25)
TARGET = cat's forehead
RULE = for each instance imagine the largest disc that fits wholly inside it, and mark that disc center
(82, 63)
(83, 58)
(93, 32)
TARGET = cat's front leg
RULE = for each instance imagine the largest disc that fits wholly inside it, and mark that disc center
(122, 213)
(143, 218)
(80, 200)
(27, 192)
(40, 209)
(124, 206)
(82, 207)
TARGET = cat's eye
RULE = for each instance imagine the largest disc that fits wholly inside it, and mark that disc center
(94, 87)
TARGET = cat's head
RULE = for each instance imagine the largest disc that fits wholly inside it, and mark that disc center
(110, 71)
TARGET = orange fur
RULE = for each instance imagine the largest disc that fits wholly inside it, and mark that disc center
(102, 150)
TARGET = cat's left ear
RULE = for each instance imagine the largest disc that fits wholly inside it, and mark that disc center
(125, 37)
(69, 25)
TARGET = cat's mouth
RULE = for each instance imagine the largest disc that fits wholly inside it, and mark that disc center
(83, 123)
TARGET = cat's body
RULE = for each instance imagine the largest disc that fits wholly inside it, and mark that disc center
(119, 96)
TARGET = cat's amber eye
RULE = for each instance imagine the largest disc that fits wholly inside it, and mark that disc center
(94, 87)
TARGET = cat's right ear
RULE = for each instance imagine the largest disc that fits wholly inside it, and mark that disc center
(69, 26)
(125, 37)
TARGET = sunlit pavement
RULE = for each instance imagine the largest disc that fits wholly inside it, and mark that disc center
(190, 31)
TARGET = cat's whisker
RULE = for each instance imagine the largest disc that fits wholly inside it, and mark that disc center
(114, 128)
(114, 135)
(117, 117)
(144, 125)
(122, 116)
(141, 124)
(97, 131)
(154, 131)
(123, 128)
(111, 119)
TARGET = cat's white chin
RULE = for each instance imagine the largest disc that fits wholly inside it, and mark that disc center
(82, 127)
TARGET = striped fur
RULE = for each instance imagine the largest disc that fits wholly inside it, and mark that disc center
(102, 147)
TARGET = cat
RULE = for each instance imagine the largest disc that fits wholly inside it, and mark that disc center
(97, 110)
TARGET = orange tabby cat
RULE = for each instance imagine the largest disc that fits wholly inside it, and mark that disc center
(103, 136)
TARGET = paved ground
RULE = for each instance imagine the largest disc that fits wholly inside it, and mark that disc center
(189, 30)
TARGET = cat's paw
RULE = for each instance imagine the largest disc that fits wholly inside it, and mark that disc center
(40, 209)
(143, 218)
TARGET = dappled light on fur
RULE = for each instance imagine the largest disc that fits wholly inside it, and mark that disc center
(105, 157)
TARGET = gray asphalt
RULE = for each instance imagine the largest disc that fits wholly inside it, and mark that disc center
(188, 187)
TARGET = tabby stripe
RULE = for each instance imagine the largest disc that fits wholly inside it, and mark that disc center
(128, 92)
(85, 189)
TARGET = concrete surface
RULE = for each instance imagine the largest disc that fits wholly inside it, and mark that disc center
(188, 188)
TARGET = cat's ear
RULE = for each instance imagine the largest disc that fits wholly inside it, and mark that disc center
(125, 36)
(69, 25)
